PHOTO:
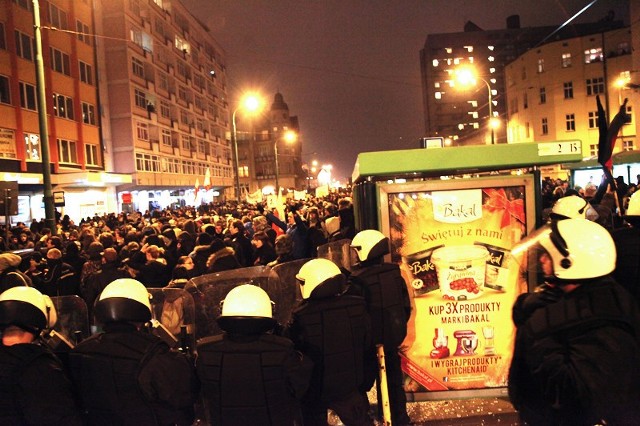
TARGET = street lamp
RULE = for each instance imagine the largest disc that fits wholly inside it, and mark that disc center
(250, 103)
(467, 77)
(289, 136)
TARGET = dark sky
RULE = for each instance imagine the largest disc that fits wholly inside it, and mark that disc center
(350, 69)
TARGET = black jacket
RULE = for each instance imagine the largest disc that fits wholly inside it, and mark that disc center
(576, 356)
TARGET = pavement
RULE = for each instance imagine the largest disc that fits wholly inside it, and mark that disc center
(468, 411)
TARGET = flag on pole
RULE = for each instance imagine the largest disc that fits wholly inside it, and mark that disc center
(195, 193)
(207, 180)
(605, 148)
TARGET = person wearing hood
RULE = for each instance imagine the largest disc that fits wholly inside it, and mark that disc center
(222, 258)
(249, 375)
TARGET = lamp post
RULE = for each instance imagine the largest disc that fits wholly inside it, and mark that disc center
(290, 137)
(467, 77)
(250, 103)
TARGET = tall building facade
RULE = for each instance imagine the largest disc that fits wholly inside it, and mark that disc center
(166, 86)
(461, 115)
(136, 106)
(260, 139)
(552, 89)
(79, 163)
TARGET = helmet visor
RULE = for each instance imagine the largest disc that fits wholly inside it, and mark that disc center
(532, 257)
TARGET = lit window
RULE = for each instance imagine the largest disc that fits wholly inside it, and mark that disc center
(469, 48)
(492, 70)
(438, 95)
(593, 55)
(540, 65)
(490, 47)
(435, 62)
(566, 60)
(491, 58)
(448, 50)
(32, 145)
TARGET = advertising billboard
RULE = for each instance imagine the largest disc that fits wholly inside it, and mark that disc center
(452, 240)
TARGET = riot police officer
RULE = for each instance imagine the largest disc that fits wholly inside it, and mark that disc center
(248, 375)
(389, 306)
(34, 388)
(569, 347)
(126, 375)
(333, 329)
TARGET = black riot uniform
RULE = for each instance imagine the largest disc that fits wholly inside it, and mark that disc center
(389, 306)
(247, 376)
(126, 376)
(34, 389)
(333, 329)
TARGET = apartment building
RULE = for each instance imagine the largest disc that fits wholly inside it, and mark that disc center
(166, 87)
(136, 106)
(552, 89)
(459, 114)
(78, 155)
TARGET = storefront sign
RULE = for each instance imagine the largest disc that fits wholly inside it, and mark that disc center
(7, 143)
(454, 250)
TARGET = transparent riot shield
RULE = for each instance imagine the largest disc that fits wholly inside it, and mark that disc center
(339, 252)
(287, 274)
(174, 317)
(73, 320)
(213, 288)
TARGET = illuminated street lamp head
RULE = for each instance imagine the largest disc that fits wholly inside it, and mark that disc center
(251, 103)
(290, 136)
(494, 123)
(465, 76)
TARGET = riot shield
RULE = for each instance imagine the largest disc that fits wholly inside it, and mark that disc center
(339, 252)
(73, 320)
(213, 288)
(174, 310)
(287, 274)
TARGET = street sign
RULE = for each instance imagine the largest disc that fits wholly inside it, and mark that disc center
(58, 198)
(437, 142)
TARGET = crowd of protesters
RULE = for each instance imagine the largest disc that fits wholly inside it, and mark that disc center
(160, 246)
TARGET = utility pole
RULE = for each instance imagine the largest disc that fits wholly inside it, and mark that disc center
(49, 209)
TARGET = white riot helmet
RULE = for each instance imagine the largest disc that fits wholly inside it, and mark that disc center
(320, 278)
(579, 249)
(571, 207)
(27, 308)
(632, 215)
(124, 300)
(370, 244)
(247, 309)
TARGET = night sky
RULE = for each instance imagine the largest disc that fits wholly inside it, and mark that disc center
(350, 69)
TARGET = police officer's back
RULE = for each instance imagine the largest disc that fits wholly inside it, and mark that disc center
(248, 375)
(333, 329)
(34, 388)
(389, 306)
(125, 375)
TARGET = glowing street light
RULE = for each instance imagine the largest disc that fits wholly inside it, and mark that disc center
(467, 77)
(250, 103)
(290, 137)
